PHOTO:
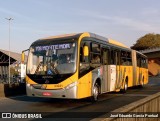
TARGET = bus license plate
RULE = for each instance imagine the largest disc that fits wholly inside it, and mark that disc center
(46, 94)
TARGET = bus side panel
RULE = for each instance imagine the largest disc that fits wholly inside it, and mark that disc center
(144, 72)
(126, 72)
(138, 76)
(84, 86)
(107, 77)
(112, 77)
(106, 80)
(118, 77)
(123, 73)
(145, 76)
(129, 74)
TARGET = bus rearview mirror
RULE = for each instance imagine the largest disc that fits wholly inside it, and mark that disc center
(85, 51)
(22, 57)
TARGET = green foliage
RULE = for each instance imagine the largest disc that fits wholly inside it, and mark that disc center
(13, 72)
(147, 41)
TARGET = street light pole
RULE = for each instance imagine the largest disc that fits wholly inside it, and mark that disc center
(9, 19)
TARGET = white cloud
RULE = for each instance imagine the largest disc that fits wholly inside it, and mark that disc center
(14, 14)
(150, 12)
(131, 23)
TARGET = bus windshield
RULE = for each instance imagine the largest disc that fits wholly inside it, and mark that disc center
(52, 59)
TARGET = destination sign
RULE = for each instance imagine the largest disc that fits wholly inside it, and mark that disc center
(53, 47)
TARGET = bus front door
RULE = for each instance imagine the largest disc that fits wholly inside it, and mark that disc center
(117, 62)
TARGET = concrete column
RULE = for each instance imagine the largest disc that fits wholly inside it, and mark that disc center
(2, 67)
(6, 70)
(1, 73)
(1, 70)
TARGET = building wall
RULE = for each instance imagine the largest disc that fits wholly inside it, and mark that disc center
(154, 66)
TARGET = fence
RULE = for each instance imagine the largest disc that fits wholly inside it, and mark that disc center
(5, 80)
(7, 90)
(147, 109)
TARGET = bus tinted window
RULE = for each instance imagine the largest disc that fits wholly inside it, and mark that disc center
(95, 53)
(112, 57)
(126, 58)
(115, 55)
(144, 63)
(95, 48)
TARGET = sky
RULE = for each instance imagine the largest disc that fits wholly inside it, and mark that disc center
(122, 20)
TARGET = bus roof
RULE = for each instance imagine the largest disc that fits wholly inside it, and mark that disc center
(117, 43)
(59, 36)
(141, 54)
(77, 35)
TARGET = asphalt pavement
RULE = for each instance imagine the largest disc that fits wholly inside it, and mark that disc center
(67, 109)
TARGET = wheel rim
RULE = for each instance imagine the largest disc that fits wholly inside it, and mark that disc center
(95, 92)
(143, 82)
(125, 86)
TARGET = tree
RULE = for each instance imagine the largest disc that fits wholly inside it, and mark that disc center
(147, 41)
(13, 72)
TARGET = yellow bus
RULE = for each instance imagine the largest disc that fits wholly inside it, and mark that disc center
(76, 66)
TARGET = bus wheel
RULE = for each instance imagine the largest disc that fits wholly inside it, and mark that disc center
(95, 91)
(125, 87)
(142, 83)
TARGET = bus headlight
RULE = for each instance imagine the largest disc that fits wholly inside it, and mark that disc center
(28, 85)
(71, 85)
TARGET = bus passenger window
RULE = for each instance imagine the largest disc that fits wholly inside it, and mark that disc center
(95, 59)
(114, 57)
(95, 48)
(143, 63)
(126, 58)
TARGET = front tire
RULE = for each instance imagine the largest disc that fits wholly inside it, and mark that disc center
(95, 91)
(142, 83)
(125, 87)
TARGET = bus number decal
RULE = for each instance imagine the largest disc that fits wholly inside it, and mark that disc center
(58, 85)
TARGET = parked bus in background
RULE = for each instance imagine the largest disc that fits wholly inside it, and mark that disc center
(82, 65)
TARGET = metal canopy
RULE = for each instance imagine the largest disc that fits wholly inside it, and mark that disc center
(4, 57)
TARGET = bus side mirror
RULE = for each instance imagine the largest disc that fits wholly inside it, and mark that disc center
(85, 51)
(22, 57)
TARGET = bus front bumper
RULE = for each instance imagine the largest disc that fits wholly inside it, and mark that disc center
(70, 92)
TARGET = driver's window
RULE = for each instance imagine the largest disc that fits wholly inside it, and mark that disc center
(84, 61)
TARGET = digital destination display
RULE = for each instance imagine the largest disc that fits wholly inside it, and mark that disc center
(53, 47)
